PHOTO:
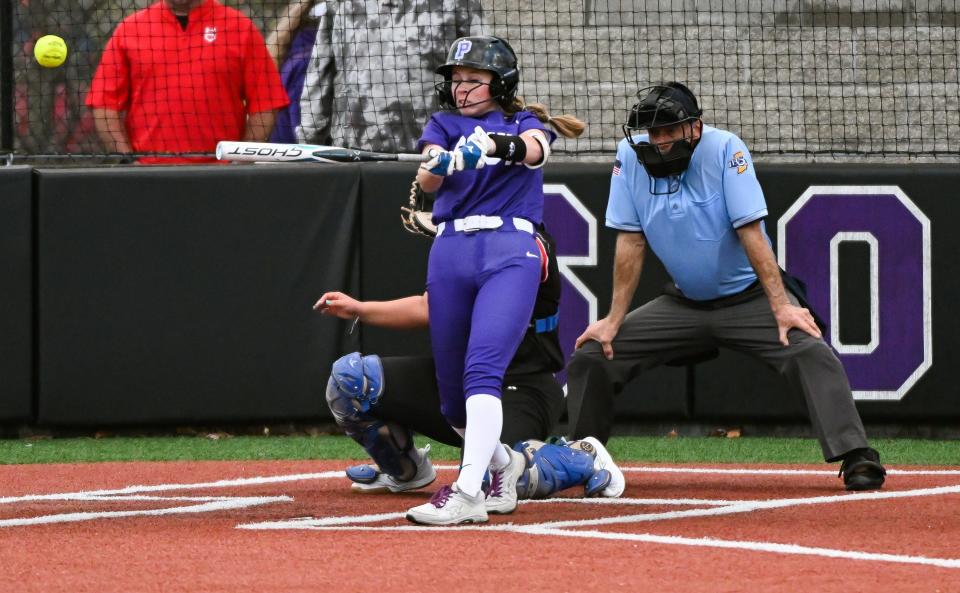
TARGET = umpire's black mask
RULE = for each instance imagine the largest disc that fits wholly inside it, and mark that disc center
(662, 106)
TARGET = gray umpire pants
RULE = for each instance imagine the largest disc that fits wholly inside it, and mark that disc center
(670, 328)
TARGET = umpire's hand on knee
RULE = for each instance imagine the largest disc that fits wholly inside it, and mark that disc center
(602, 331)
(789, 316)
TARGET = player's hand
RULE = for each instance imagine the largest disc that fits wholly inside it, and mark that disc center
(602, 331)
(442, 163)
(470, 156)
(789, 316)
(339, 305)
(481, 138)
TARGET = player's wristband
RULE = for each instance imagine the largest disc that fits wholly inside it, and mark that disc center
(508, 148)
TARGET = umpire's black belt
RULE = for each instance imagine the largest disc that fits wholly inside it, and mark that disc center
(792, 283)
(748, 293)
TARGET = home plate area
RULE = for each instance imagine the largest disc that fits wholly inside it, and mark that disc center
(760, 509)
(287, 526)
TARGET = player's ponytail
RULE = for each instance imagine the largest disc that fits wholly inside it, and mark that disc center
(566, 125)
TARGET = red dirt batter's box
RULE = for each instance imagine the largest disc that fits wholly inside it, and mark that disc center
(174, 527)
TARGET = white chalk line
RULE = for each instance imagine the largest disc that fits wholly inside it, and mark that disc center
(256, 481)
(354, 521)
(751, 506)
(720, 507)
(263, 480)
(131, 493)
(760, 471)
(790, 549)
(781, 472)
(219, 504)
(311, 522)
(746, 545)
(709, 542)
(212, 504)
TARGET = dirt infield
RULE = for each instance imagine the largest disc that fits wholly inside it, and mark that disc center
(295, 526)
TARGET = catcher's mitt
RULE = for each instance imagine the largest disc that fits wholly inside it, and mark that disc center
(416, 215)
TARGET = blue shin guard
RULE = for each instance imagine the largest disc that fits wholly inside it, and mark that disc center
(552, 468)
(355, 386)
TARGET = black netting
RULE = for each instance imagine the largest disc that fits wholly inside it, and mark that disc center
(789, 76)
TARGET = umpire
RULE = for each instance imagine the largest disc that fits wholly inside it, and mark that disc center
(690, 192)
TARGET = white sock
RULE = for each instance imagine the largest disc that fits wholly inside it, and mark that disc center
(500, 457)
(480, 440)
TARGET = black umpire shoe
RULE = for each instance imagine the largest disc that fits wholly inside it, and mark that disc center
(861, 470)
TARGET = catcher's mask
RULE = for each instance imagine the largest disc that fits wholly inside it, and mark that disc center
(483, 53)
(661, 106)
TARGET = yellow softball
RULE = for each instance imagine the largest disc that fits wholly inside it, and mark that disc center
(50, 51)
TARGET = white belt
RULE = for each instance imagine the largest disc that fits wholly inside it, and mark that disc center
(479, 222)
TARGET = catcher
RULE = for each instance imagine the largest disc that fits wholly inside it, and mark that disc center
(380, 403)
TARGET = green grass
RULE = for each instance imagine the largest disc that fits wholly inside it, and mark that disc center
(626, 449)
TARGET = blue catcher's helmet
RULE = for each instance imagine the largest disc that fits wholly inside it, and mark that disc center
(483, 53)
(356, 383)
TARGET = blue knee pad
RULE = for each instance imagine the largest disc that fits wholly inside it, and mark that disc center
(355, 386)
(552, 468)
(358, 378)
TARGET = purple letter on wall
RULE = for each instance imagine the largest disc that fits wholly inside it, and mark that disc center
(898, 234)
(575, 230)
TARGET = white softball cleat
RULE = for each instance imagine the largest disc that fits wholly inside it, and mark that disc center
(603, 460)
(368, 479)
(449, 506)
(502, 497)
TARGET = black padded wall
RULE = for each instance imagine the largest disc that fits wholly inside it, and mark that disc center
(184, 294)
(16, 315)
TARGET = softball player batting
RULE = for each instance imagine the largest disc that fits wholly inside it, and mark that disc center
(401, 397)
(691, 193)
(484, 265)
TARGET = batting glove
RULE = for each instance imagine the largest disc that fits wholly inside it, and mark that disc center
(469, 156)
(482, 139)
(442, 163)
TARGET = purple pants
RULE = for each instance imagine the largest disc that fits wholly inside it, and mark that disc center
(482, 287)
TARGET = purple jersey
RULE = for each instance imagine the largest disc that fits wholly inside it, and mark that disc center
(499, 188)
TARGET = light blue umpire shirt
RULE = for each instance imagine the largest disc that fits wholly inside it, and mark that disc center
(692, 230)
